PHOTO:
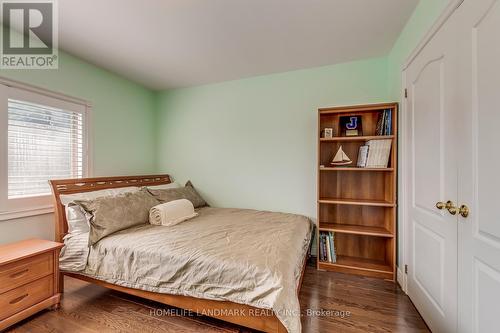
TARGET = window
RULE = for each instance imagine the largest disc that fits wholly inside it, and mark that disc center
(46, 138)
(43, 143)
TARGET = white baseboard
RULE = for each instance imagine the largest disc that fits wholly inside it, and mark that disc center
(401, 278)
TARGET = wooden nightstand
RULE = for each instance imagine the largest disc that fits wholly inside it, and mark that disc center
(29, 272)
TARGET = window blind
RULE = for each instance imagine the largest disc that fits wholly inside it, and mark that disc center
(43, 143)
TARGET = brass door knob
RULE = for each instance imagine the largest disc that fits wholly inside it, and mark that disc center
(440, 205)
(451, 207)
(464, 211)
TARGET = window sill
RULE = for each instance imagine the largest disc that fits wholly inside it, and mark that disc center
(4, 216)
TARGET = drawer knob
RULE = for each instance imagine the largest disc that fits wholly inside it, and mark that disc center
(20, 273)
(18, 299)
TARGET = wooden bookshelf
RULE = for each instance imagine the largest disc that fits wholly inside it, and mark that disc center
(358, 204)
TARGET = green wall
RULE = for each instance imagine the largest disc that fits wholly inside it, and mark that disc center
(251, 143)
(122, 113)
(124, 138)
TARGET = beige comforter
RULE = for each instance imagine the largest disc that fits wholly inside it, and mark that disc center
(243, 256)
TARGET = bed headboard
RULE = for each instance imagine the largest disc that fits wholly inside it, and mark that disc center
(79, 185)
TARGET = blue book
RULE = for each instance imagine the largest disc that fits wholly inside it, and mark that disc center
(386, 120)
(389, 122)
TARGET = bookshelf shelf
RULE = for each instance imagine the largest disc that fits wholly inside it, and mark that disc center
(355, 169)
(357, 138)
(359, 202)
(361, 266)
(356, 229)
(358, 205)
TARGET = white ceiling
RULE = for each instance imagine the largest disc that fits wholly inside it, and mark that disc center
(165, 44)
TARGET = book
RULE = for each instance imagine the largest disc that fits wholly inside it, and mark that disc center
(328, 249)
(362, 156)
(387, 128)
(385, 153)
(389, 123)
(384, 123)
(378, 153)
(370, 160)
(320, 244)
(378, 129)
(323, 246)
(333, 253)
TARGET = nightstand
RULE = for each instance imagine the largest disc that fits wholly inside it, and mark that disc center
(29, 273)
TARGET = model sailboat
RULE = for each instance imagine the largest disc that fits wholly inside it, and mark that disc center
(341, 158)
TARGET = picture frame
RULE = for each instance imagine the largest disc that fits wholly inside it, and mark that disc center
(327, 133)
(351, 125)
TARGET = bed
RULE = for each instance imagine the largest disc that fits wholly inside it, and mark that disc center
(243, 266)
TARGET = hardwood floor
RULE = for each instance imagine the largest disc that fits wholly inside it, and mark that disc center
(349, 303)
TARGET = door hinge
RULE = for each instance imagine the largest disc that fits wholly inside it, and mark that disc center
(406, 269)
(406, 93)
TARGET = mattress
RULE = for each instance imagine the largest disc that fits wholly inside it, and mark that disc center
(244, 256)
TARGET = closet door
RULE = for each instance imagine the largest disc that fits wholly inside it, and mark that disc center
(432, 179)
(479, 166)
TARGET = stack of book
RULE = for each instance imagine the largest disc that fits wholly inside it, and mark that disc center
(374, 154)
(384, 123)
(327, 247)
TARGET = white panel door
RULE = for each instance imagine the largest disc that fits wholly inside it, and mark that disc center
(432, 178)
(479, 166)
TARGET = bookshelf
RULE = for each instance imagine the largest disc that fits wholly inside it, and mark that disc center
(358, 204)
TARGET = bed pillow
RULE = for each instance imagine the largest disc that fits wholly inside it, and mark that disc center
(172, 213)
(108, 215)
(67, 198)
(187, 192)
(75, 216)
(77, 221)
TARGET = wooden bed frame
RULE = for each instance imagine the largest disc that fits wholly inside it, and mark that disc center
(240, 314)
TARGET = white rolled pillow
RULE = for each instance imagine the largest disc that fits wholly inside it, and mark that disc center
(172, 212)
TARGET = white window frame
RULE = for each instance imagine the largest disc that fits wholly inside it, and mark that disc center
(36, 205)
